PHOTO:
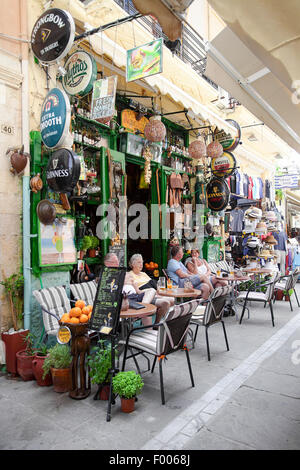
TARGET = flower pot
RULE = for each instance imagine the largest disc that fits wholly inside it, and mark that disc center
(13, 343)
(37, 367)
(61, 379)
(92, 253)
(24, 365)
(81, 254)
(104, 392)
(127, 404)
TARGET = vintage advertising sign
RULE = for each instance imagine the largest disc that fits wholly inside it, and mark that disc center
(145, 60)
(228, 141)
(63, 171)
(81, 70)
(130, 122)
(55, 118)
(53, 35)
(223, 166)
(63, 335)
(217, 193)
(107, 304)
(57, 242)
(103, 100)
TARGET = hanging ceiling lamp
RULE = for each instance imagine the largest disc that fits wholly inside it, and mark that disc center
(197, 149)
(214, 149)
(155, 130)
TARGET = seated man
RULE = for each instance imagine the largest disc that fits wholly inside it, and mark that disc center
(130, 288)
(178, 273)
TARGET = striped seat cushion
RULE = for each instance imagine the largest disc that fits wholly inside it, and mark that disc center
(145, 340)
(85, 291)
(260, 296)
(280, 285)
(55, 300)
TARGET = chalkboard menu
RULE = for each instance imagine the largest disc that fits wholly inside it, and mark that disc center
(108, 300)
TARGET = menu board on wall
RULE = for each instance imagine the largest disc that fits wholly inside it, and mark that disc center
(103, 100)
(108, 300)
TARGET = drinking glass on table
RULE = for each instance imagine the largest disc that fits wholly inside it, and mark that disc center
(161, 283)
(169, 283)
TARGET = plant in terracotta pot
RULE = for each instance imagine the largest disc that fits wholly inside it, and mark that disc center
(99, 363)
(58, 362)
(84, 245)
(127, 385)
(25, 358)
(93, 247)
(14, 337)
(37, 366)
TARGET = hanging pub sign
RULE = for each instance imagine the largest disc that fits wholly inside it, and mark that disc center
(63, 171)
(228, 141)
(108, 300)
(103, 99)
(81, 70)
(223, 166)
(217, 193)
(52, 35)
(55, 118)
(145, 60)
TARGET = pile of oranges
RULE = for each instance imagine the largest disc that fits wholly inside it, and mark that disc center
(81, 313)
(151, 266)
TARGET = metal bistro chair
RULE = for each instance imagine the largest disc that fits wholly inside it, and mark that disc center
(256, 296)
(288, 283)
(211, 313)
(169, 337)
(85, 291)
(54, 303)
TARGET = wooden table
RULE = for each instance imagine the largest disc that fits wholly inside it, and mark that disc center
(179, 292)
(233, 280)
(257, 272)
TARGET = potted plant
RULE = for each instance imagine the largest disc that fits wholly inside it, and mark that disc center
(127, 385)
(37, 366)
(94, 245)
(99, 363)
(14, 337)
(25, 358)
(58, 362)
(85, 244)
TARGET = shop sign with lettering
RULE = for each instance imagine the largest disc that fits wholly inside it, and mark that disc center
(217, 192)
(55, 118)
(52, 35)
(229, 142)
(63, 171)
(223, 166)
(81, 70)
(130, 122)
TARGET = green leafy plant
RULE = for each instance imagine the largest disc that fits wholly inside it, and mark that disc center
(99, 363)
(29, 341)
(13, 287)
(42, 350)
(127, 384)
(59, 357)
(94, 242)
(85, 243)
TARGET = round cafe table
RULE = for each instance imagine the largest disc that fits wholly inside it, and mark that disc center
(257, 273)
(179, 293)
(233, 280)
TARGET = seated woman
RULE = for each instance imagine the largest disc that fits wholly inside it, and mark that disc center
(143, 281)
(195, 265)
(178, 273)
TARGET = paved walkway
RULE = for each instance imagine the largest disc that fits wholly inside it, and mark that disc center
(247, 398)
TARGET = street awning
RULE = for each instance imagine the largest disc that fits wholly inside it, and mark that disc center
(256, 59)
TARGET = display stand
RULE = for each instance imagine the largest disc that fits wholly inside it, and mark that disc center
(106, 316)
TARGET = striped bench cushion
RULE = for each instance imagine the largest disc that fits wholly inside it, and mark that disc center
(85, 291)
(55, 300)
(259, 296)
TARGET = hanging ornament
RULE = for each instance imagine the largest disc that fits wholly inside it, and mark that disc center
(18, 160)
(197, 149)
(214, 149)
(155, 130)
(36, 183)
(148, 157)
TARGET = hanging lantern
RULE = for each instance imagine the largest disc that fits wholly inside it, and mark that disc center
(197, 149)
(155, 130)
(214, 149)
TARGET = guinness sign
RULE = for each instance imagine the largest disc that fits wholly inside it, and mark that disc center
(53, 35)
(217, 193)
(63, 171)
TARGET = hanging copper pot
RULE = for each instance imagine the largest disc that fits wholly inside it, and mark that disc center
(46, 212)
(18, 160)
(36, 183)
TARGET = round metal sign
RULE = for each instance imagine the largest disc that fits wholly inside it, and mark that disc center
(63, 335)
(217, 193)
(63, 171)
(229, 142)
(53, 35)
(223, 166)
(55, 118)
(81, 70)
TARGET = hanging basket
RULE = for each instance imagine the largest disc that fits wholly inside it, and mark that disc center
(197, 149)
(214, 149)
(155, 130)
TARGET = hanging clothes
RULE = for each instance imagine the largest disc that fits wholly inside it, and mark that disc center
(245, 185)
(250, 187)
(261, 188)
(237, 183)
(236, 220)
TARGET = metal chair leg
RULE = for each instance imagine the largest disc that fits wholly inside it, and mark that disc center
(296, 297)
(290, 303)
(124, 358)
(153, 365)
(226, 340)
(196, 332)
(207, 343)
(161, 382)
(243, 312)
(189, 365)
(272, 313)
